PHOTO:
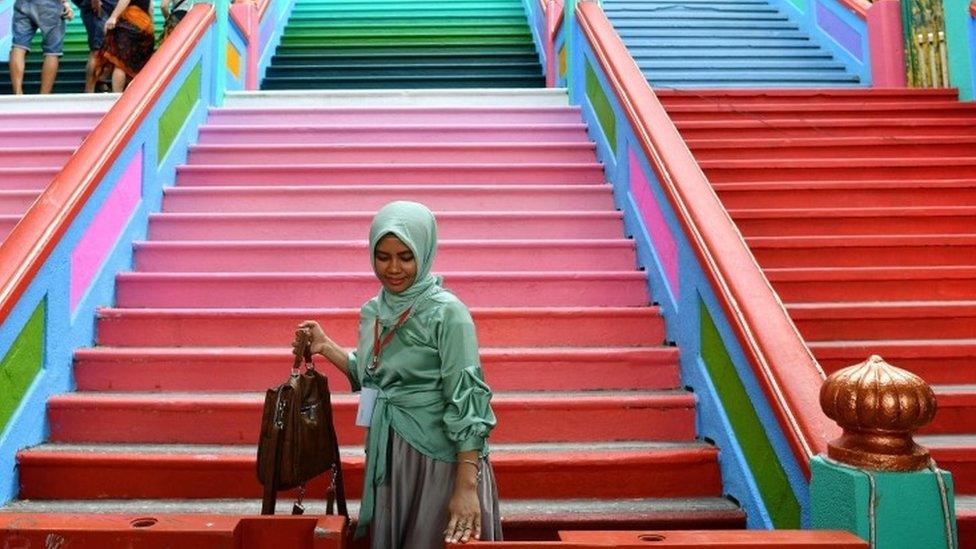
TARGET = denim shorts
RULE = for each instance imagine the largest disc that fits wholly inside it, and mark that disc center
(94, 23)
(44, 15)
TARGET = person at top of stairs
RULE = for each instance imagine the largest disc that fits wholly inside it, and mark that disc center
(423, 393)
(49, 17)
(94, 14)
(129, 41)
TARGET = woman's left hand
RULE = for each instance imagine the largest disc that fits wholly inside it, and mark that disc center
(465, 512)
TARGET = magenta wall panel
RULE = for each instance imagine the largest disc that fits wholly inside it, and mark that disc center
(96, 243)
(657, 226)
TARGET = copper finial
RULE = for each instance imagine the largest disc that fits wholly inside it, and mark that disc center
(879, 407)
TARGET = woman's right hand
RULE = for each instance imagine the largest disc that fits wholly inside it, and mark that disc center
(318, 341)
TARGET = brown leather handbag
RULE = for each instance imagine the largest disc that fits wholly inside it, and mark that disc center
(298, 438)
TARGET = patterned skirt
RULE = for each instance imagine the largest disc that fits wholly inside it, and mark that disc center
(130, 44)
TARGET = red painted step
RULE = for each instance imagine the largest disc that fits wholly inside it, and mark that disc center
(420, 133)
(810, 148)
(957, 410)
(874, 283)
(402, 153)
(507, 369)
(825, 97)
(815, 110)
(901, 220)
(607, 470)
(884, 321)
(544, 224)
(865, 169)
(497, 327)
(870, 194)
(166, 418)
(359, 198)
(344, 256)
(837, 127)
(239, 174)
(861, 251)
(938, 361)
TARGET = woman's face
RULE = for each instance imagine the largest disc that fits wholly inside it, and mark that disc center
(394, 264)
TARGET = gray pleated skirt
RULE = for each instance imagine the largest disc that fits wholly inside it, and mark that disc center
(411, 509)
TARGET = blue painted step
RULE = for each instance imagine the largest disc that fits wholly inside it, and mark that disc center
(722, 44)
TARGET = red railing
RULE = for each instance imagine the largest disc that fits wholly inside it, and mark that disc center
(788, 373)
(33, 239)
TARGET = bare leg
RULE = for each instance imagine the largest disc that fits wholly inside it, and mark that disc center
(119, 80)
(90, 76)
(49, 70)
(17, 69)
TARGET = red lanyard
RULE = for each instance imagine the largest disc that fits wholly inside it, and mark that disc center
(378, 344)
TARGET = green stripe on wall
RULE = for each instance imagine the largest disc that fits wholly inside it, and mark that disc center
(780, 502)
(21, 365)
(601, 105)
(177, 111)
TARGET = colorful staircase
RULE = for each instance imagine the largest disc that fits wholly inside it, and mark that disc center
(860, 206)
(266, 227)
(71, 70)
(36, 139)
(722, 44)
(366, 44)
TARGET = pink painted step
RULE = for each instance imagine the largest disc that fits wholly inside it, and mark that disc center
(34, 157)
(898, 128)
(498, 289)
(383, 116)
(884, 321)
(255, 369)
(360, 198)
(354, 225)
(621, 470)
(828, 147)
(497, 327)
(403, 153)
(165, 418)
(854, 221)
(48, 137)
(16, 202)
(823, 194)
(20, 179)
(340, 256)
(874, 284)
(781, 170)
(938, 361)
(48, 120)
(853, 251)
(420, 133)
(7, 223)
(584, 173)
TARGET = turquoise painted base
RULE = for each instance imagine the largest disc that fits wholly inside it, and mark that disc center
(908, 507)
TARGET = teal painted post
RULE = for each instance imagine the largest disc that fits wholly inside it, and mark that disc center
(908, 507)
(961, 46)
(572, 63)
(220, 51)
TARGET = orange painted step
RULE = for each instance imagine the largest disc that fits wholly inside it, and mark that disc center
(172, 418)
(606, 470)
(242, 369)
(497, 327)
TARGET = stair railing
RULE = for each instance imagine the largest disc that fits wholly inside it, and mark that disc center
(756, 382)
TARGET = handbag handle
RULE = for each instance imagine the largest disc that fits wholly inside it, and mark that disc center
(303, 350)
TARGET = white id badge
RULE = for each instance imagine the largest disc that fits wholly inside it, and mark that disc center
(367, 400)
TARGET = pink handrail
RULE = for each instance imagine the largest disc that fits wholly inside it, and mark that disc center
(784, 367)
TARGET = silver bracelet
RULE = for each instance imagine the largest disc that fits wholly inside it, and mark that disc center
(476, 465)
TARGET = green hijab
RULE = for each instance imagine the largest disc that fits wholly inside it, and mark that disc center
(416, 227)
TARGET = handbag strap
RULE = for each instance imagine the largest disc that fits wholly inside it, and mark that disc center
(270, 498)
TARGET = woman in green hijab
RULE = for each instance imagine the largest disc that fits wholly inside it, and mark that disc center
(423, 396)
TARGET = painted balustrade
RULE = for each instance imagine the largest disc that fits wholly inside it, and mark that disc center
(960, 30)
(865, 36)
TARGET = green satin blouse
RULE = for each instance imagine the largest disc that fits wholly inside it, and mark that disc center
(431, 388)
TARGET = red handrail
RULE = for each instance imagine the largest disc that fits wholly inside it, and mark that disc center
(859, 7)
(972, 9)
(33, 239)
(788, 373)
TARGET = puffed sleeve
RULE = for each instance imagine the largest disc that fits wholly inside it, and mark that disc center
(468, 417)
(353, 372)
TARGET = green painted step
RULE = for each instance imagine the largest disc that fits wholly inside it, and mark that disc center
(357, 44)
